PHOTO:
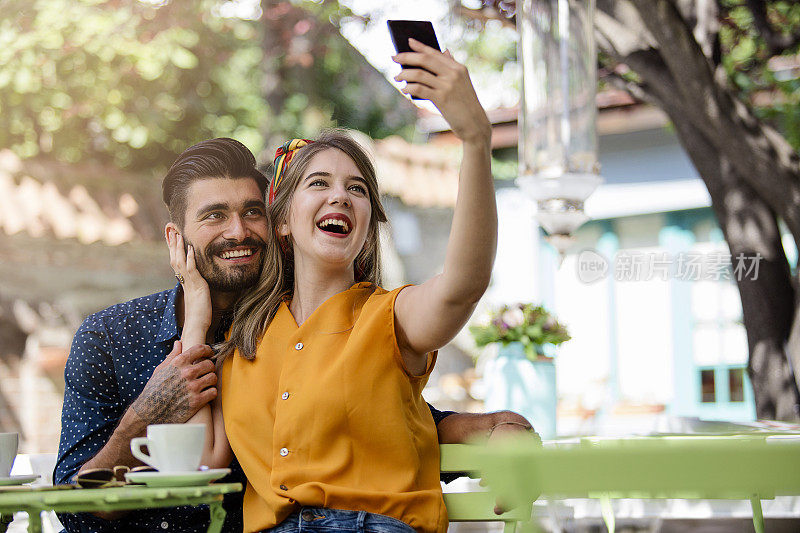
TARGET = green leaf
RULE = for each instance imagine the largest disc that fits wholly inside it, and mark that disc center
(183, 58)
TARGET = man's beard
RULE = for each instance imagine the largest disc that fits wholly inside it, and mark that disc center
(234, 278)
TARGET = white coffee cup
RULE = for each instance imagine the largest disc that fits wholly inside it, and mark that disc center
(8, 452)
(172, 447)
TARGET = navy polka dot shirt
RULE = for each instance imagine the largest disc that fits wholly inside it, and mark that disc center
(113, 355)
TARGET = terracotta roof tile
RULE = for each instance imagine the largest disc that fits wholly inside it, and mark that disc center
(89, 203)
(419, 175)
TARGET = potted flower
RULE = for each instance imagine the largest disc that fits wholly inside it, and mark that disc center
(522, 378)
(531, 325)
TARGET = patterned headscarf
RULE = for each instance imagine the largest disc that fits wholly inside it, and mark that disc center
(283, 155)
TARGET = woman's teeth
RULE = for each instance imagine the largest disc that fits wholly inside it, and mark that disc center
(339, 226)
(232, 254)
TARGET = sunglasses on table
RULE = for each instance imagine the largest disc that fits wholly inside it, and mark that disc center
(100, 478)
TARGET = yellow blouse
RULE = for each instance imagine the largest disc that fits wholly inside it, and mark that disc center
(327, 415)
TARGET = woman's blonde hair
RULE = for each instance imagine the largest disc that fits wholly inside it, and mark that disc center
(257, 307)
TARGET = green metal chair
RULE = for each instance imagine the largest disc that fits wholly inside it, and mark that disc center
(35, 501)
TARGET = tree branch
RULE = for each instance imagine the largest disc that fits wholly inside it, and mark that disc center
(703, 18)
(681, 54)
(640, 91)
(618, 24)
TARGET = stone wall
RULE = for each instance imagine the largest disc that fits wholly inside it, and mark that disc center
(47, 287)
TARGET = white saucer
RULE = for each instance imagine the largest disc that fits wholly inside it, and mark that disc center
(176, 479)
(18, 480)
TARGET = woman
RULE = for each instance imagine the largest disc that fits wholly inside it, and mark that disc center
(320, 389)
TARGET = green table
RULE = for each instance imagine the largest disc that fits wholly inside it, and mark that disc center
(729, 467)
(35, 500)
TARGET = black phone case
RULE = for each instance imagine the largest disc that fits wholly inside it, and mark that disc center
(421, 30)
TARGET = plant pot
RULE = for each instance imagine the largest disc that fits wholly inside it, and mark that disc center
(517, 384)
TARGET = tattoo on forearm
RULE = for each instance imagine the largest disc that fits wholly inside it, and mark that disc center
(164, 398)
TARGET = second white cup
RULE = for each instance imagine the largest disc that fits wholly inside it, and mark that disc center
(8, 452)
(171, 447)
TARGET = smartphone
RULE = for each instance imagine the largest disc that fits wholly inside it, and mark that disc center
(421, 30)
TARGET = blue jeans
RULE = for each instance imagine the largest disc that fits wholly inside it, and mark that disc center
(321, 520)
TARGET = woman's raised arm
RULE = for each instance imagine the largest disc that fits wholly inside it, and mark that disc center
(431, 314)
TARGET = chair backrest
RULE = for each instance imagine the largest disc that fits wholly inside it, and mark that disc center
(474, 506)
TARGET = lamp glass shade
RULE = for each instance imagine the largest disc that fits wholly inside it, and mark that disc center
(559, 78)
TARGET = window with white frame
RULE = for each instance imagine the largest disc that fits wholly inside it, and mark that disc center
(719, 342)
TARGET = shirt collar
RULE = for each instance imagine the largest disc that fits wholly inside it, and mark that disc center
(349, 302)
(169, 320)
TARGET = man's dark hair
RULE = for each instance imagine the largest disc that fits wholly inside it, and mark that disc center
(213, 158)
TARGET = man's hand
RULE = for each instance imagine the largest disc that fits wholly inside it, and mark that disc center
(182, 384)
(510, 425)
(462, 428)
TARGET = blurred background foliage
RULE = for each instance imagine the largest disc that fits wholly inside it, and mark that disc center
(133, 83)
(316, 78)
(125, 82)
(761, 79)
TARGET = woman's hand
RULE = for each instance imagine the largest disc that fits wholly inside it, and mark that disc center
(446, 83)
(196, 294)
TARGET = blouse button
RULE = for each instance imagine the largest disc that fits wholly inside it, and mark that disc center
(285, 396)
(284, 452)
(284, 487)
(298, 346)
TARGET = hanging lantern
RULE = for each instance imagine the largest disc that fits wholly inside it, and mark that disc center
(557, 123)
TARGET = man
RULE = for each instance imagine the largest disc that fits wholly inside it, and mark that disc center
(127, 368)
